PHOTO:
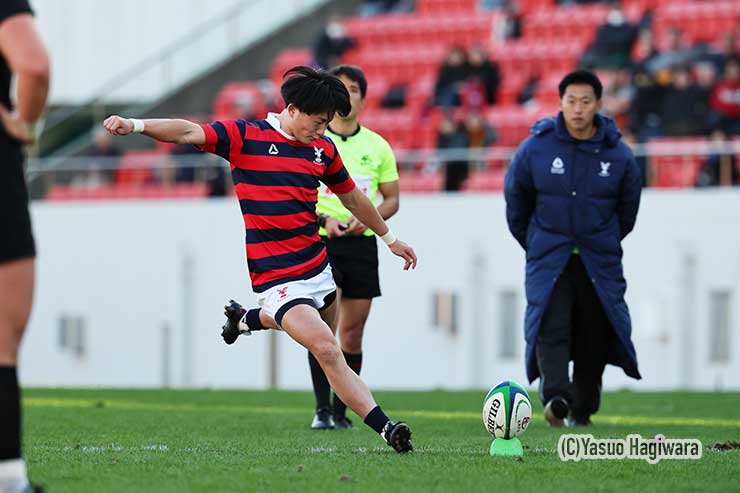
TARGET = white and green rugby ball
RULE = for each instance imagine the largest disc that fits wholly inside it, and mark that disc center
(507, 410)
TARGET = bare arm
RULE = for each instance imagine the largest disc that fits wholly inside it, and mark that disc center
(364, 210)
(386, 209)
(391, 199)
(175, 131)
(24, 51)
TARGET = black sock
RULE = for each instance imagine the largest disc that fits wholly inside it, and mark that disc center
(321, 387)
(10, 414)
(252, 319)
(376, 419)
(354, 361)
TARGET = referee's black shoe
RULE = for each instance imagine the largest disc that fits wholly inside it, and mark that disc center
(398, 436)
(231, 329)
(322, 420)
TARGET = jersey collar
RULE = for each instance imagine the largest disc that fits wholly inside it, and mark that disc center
(273, 120)
(345, 137)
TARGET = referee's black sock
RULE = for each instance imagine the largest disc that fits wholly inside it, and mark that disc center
(10, 414)
(376, 419)
(321, 387)
(354, 361)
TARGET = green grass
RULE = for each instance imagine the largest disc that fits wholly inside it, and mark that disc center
(121, 441)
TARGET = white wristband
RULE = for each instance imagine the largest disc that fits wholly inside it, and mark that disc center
(138, 125)
(389, 238)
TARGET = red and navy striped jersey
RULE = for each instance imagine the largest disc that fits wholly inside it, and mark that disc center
(276, 179)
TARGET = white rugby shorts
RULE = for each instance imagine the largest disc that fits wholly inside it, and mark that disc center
(318, 291)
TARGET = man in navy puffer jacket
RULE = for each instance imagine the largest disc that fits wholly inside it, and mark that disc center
(572, 194)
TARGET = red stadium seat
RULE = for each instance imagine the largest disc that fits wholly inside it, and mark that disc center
(435, 7)
(126, 191)
(673, 161)
(485, 181)
(287, 59)
(135, 165)
(417, 182)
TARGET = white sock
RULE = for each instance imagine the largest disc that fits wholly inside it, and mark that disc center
(13, 478)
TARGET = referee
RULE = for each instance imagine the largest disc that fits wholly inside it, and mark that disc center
(352, 248)
(22, 55)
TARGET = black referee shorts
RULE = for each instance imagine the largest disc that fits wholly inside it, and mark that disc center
(15, 221)
(354, 263)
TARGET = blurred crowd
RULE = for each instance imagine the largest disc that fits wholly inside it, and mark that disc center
(652, 88)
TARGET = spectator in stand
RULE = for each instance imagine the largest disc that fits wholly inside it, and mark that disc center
(685, 106)
(509, 25)
(484, 73)
(332, 43)
(479, 134)
(612, 45)
(185, 160)
(647, 105)
(451, 136)
(725, 98)
(638, 150)
(102, 159)
(720, 167)
(729, 48)
(494, 4)
(103, 146)
(527, 95)
(674, 55)
(644, 50)
(618, 96)
(452, 74)
(369, 8)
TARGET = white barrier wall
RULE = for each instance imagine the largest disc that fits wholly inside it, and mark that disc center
(113, 277)
(92, 41)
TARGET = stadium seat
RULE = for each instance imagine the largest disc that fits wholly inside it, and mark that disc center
(674, 161)
(135, 165)
(698, 21)
(128, 191)
(485, 181)
(420, 182)
(287, 59)
(430, 7)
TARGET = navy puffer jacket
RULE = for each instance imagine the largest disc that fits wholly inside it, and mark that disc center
(562, 194)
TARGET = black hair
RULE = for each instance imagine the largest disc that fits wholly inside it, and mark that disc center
(353, 73)
(315, 91)
(581, 77)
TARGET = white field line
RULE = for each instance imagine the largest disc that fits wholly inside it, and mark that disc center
(44, 402)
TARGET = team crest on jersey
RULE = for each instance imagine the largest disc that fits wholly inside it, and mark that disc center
(318, 151)
(604, 169)
(273, 150)
(558, 167)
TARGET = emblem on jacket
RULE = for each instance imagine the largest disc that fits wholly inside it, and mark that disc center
(604, 169)
(558, 167)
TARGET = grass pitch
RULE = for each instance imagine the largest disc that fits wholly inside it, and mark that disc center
(121, 441)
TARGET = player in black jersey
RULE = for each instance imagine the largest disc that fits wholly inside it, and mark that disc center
(22, 55)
